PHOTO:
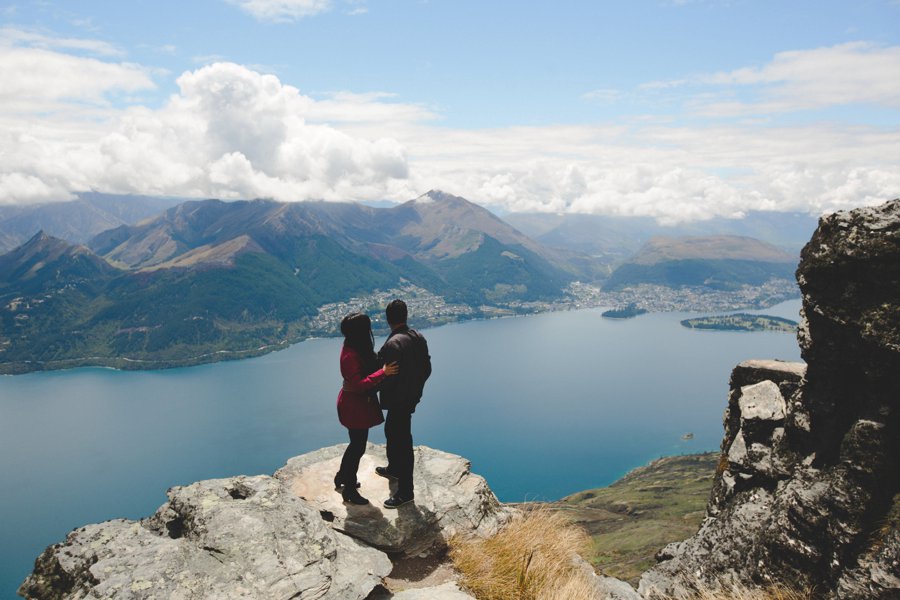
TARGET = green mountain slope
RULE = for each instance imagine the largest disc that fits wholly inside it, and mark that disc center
(207, 280)
(636, 516)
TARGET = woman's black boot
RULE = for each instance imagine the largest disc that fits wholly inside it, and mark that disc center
(339, 483)
(351, 495)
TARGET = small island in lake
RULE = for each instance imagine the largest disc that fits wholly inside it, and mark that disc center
(742, 322)
(626, 312)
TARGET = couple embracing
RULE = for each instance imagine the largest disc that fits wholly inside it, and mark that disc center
(406, 366)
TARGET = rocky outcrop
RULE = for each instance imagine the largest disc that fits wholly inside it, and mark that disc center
(449, 500)
(287, 536)
(810, 466)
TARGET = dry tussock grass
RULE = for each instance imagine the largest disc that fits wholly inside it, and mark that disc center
(531, 559)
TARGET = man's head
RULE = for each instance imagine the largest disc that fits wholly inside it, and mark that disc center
(396, 313)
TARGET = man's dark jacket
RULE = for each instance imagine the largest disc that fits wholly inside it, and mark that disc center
(404, 390)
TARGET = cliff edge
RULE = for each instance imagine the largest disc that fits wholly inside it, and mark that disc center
(809, 467)
(287, 536)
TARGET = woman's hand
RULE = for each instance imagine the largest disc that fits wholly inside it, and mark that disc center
(391, 368)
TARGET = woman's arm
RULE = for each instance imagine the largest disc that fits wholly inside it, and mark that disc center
(355, 376)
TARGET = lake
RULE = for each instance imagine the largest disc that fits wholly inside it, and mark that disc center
(543, 406)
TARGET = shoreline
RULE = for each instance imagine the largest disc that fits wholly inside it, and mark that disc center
(124, 363)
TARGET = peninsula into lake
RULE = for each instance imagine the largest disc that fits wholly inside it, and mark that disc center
(626, 312)
(742, 322)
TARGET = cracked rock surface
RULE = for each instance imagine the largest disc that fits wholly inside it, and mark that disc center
(268, 537)
(449, 499)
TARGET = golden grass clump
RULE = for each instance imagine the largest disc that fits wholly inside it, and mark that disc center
(530, 559)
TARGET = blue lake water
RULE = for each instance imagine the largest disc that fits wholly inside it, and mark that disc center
(543, 406)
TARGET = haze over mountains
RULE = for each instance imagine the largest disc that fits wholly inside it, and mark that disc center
(205, 279)
(76, 220)
(623, 236)
(717, 262)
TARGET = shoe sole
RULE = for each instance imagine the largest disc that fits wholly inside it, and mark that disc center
(386, 505)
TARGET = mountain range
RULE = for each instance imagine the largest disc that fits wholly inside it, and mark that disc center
(201, 280)
(77, 220)
(721, 262)
(208, 279)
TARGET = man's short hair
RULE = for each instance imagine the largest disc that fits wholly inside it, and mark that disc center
(396, 312)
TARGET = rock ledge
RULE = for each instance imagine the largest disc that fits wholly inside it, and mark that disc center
(287, 536)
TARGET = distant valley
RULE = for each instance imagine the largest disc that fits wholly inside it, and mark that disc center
(173, 282)
(716, 262)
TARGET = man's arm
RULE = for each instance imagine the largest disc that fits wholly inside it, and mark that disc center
(389, 353)
(426, 361)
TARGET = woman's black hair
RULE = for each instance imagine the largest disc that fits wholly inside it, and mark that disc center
(357, 330)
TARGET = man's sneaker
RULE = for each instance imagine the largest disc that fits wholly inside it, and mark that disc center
(397, 501)
(352, 496)
(383, 471)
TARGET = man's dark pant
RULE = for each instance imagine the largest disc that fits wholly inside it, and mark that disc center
(398, 433)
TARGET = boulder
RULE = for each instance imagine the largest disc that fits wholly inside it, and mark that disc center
(810, 467)
(242, 537)
(288, 536)
(449, 499)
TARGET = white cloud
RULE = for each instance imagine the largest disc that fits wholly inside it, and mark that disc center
(602, 96)
(38, 78)
(670, 173)
(229, 132)
(857, 73)
(232, 132)
(11, 36)
(282, 10)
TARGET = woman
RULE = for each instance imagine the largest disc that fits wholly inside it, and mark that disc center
(357, 404)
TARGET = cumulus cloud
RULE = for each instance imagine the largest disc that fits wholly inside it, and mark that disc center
(282, 10)
(229, 132)
(673, 174)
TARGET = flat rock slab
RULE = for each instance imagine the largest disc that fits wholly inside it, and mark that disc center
(449, 499)
(447, 591)
(241, 537)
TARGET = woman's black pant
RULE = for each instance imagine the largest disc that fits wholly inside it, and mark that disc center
(354, 452)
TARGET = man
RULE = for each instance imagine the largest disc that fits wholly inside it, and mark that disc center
(399, 396)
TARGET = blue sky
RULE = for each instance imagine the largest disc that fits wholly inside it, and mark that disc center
(677, 109)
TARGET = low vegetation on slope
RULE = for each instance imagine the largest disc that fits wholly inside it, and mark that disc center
(532, 558)
(636, 516)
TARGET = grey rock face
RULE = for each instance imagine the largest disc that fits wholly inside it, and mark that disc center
(450, 499)
(810, 464)
(268, 537)
(243, 537)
